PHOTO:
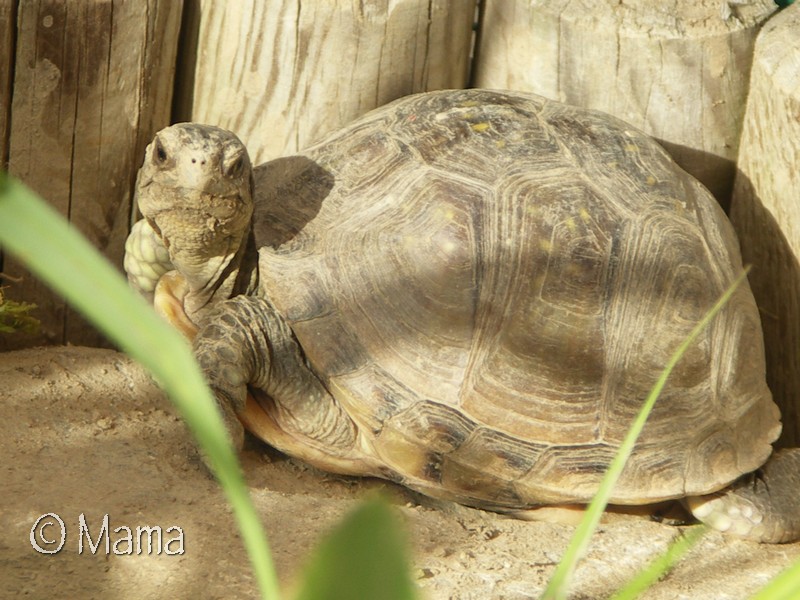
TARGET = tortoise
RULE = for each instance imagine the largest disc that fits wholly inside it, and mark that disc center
(471, 293)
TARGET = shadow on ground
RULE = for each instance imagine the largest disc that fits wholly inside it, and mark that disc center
(84, 431)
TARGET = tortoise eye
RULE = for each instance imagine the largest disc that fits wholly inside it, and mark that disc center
(159, 153)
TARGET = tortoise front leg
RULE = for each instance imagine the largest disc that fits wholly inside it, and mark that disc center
(151, 273)
(146, 259)
(243, 343)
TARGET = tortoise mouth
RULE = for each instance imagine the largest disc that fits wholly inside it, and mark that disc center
(201, 230)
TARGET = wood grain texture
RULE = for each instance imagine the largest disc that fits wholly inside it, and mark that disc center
(678, 70)
(282, 73)
(92, 82)
(8, 18)
(764, 208)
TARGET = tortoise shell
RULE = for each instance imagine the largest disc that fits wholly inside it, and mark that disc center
(490, 284)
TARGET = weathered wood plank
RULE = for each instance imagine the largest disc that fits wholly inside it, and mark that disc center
(92, 82)
(678, 70)
(764, 209)
(281, 73)
(8, 22)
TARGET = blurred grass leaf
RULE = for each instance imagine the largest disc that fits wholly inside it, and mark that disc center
(363, 558)
(63, 259)
(784, 586)
(558, 586)
(662, 565)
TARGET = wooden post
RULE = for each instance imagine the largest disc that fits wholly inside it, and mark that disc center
(765, 204)
(92, 83)
(679, 72)
(282, 73)
(8, 19)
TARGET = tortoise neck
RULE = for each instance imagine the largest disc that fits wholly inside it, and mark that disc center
(221, 277)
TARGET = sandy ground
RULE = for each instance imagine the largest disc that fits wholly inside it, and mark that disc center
(84, 431)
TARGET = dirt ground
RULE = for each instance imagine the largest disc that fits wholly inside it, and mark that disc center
(84, 431)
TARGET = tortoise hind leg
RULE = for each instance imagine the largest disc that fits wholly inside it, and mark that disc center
(762, 506)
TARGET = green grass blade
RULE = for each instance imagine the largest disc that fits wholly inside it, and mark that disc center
(363, 558)
(57, 254)
(558, 585)
(661, 565)
(784, 586)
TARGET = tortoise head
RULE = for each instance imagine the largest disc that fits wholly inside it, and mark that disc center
(195, 188)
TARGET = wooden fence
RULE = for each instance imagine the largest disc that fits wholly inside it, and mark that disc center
(84, 85)
(92, 81)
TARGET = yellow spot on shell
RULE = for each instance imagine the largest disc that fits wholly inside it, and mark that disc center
(500, 143)
(446, 212)
(546, 245)
(469, 103)
(573, 270)
(631, 148)
(570, 223)
(585, 216)
(449, 247)
(651, 180)
(480, 127)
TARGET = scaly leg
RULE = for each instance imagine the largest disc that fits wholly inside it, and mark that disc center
(146, 259)
(245, 342)
(763, 506)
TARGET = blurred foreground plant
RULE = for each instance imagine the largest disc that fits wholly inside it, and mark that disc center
(61, 257)
(364, 557)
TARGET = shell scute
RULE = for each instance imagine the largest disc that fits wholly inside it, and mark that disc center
(490, 284)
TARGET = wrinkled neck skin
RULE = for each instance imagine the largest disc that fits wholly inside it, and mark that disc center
(212, 247)
(219, 277)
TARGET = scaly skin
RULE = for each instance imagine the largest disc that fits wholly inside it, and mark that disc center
(195, 192)
(762, 506)
(146, 259)
(244, 342)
